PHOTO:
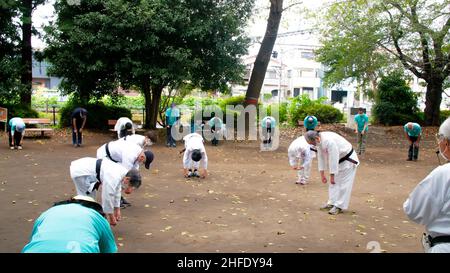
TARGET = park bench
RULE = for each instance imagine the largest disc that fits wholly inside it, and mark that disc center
(40, 123)
(112, 123)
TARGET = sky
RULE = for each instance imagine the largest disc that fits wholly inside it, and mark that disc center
(293, 20)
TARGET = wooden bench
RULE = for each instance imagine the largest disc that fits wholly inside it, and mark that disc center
(41, 125)
(112, 122)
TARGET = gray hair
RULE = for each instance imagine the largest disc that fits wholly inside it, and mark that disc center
(311, 135)
(444, 129)
(135, 178)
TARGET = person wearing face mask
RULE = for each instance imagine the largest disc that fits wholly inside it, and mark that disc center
(335, 153)
(429, 203)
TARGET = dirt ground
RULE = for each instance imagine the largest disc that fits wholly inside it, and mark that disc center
(249, 202)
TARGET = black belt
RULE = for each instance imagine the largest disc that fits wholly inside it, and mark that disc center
(439, 240)
(98, 166)
(312, 149)
(347, 157)
(108, 154)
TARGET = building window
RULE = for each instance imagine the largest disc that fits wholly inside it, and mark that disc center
(309, 55)
(309, 91)
(271, 74)
(338, 95)
(296, 92)
(275, 93)
(307, 73)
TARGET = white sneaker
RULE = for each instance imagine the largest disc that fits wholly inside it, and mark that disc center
(301, 182)
(335, 210)
(20, 147)
(12, 148)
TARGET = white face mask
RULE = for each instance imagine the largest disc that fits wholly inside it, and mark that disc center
(442, 152)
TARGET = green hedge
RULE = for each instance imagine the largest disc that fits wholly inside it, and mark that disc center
(20, 110)
(98, 114)
(303, 106)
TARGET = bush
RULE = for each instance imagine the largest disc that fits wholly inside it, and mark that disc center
(395, 103)
(303, 106)
(282, 111)
(20, 110)
(98, 114)
(444, 115)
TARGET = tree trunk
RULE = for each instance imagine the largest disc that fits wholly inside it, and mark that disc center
(148, 103)
(26, 61)
(433, 102)
(156, 98)
(263, 57)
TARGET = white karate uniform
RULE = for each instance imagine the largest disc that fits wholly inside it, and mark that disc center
(333, 147)
(120, 125)
(300, 152)
(84, 176)
(192, 142)
(135, 139)
(124, 152)
(429, 205)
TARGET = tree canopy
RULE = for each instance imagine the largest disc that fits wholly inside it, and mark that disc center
(361, 37)
(99, 45)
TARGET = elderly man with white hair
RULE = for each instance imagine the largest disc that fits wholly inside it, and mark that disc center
(429, 203)
(336, 154)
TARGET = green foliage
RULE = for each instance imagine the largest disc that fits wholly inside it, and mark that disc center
(365, 39)
(20, 110)
(98, 114)
(131, 102)
(395, 103)
(154, 44)
(267, 96)
(282, 111)
(41, 102)
(444, 115)
(303, 106)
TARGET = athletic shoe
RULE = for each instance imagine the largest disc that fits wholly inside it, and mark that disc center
(19, 147)
(326, 207)
(301, 182)
(335, 210)
(12, 148)
(124, 203)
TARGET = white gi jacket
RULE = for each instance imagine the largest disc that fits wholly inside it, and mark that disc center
(192, 142)
(135, 139)
(429, 203)
(124, 152)
(333, 147)
(111, 176)
(120, 125)
(300, 149)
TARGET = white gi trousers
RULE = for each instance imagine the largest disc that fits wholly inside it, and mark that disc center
(339, 193)
(84, 183)
(440, 248)
(304, 173)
